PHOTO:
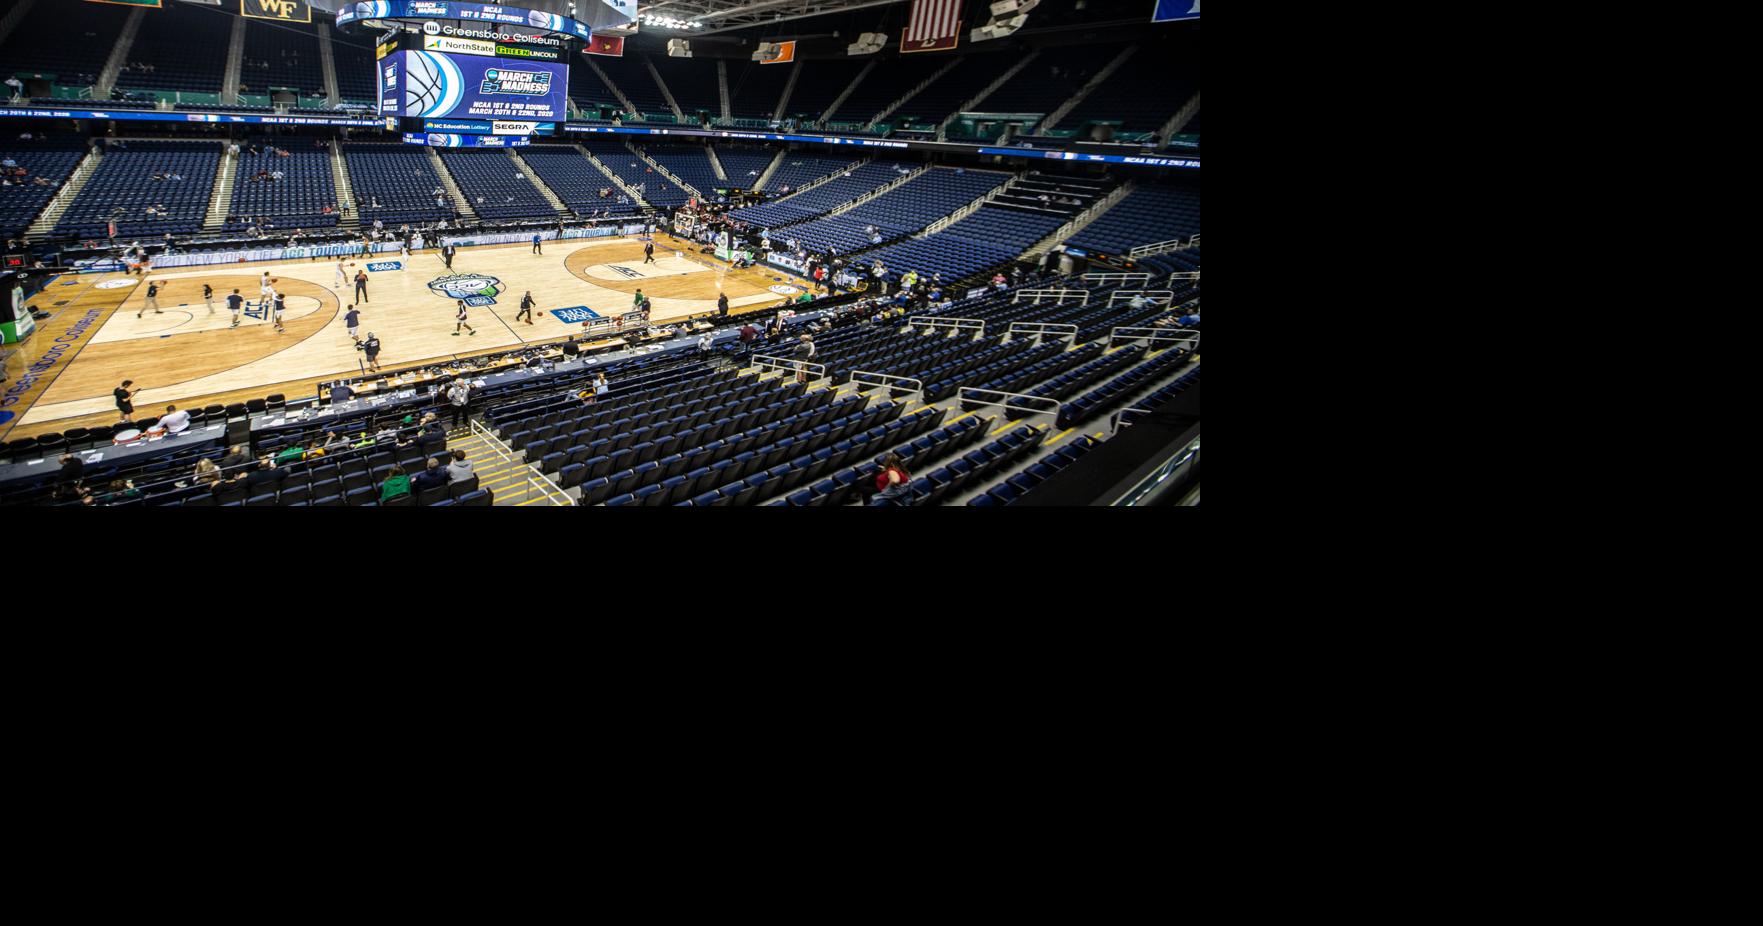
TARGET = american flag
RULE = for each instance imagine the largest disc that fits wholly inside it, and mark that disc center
(934, 25)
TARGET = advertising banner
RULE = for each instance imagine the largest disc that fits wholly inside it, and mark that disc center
(287, 11)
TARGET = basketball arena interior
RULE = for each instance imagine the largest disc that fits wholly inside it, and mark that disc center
(600, 253)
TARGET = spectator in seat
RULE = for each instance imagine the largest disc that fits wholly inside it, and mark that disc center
(460, 469)
(433, 476)
(891, 483)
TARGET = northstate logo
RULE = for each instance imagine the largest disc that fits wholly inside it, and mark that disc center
(474, 288)
(517, 83)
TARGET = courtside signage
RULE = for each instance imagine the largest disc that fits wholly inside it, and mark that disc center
(575, 314)
(387, 265)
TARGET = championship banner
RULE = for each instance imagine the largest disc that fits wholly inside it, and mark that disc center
(933, 25)
(611, 45)
(287, 11)
(1168, 11)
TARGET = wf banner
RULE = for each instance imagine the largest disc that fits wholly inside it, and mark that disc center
(288, 11)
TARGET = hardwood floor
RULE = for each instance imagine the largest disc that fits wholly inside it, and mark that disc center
(184, 355)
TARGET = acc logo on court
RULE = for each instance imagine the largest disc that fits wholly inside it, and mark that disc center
(783, 290)
(114, 284)
(386, 265)
(626, 271)
(474, 288)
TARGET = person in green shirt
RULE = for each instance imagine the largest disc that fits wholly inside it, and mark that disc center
(395, 485)
(290, 454)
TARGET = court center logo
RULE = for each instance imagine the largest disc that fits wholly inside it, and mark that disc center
(627, 272)
(783, 290)
(114, 284)
(474, 288)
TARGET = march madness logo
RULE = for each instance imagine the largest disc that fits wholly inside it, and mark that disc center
(517, 83)
(474, 288)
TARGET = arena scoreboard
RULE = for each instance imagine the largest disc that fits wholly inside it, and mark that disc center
(475, 74)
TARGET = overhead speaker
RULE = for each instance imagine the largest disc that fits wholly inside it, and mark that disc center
(867, 44)
(679, 48)
(998, 28)
(1007, 7)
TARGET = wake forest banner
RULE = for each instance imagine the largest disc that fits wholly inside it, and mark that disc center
(288, 11)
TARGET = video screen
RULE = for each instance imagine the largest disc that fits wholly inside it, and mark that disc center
(437, 85)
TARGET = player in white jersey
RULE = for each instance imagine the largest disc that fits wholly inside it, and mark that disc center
(342, 275)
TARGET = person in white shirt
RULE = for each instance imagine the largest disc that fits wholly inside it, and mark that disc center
(174, 422)
(342, 275)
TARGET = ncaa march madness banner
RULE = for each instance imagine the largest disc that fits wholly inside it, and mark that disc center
(287, 11)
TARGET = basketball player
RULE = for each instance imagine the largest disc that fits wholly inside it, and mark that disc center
(342, 275)
(352, 318)
(263, 288)
(152, 300)
(208, 297)
(278, 314)
(526, 308)
(461, 321)
(234, 302)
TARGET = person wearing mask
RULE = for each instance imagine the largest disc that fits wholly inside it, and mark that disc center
(600, 385)
(526, 305)
(804, 354)
(891, 483)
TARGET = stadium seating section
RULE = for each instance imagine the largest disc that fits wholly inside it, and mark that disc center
(692, 81)
(574, 180)
(632, 77)
(122, 188)
(654, 187)
(744, 166)
(1148, 215)
(183, 48)
(399, 178)
(689, 163)
(21, 202)
(280, 55)
(494, 184)
(754, 88)
(297, 200)
(92, 30)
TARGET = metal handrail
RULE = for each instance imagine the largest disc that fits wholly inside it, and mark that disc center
(1041, 329)
(888, 380)
(1164, 247)
(1151, 295)
(963, 393)
(954, 324)
(769, 363)
(1154, 335)
(1116, 277)
(1184, 275)
(1058, 295)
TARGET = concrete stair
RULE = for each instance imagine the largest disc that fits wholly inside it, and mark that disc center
(350, 216)
(908, 95)
(605, 78)
(842, 97)
(765, 175)
(663, 171)
(1079, 222)
(119, 55)
(545, 191)
(76, 181)
(617, 181)
(783, 99)
(1051, 120)
(666, 94)
(222, 200)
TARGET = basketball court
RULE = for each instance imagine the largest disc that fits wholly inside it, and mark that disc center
(185, 355)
